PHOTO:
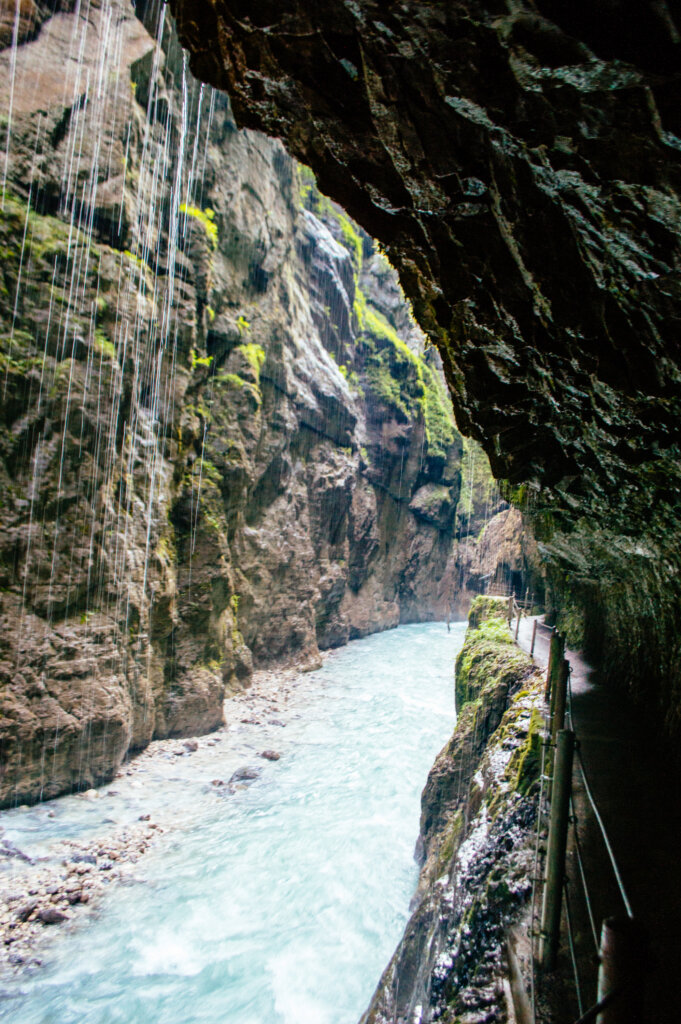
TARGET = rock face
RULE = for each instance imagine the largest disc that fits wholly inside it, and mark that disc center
(222, 441)
(477, 834)
(521, 167)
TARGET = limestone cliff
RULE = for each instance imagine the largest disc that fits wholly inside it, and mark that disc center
(477, 837)
(222, 440)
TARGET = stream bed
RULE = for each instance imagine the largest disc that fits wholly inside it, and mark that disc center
(276, 899)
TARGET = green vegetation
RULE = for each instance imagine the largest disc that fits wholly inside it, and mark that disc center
(402, 379)
(233, 379)
(254, 355)
(104, 345)
(206, 219)
(478, 487)
(309, 195)
(243, 325)
(489, 657)
(198, 360)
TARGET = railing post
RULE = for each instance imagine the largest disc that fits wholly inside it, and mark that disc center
(534, 637)
(623, 958)
(510, 610)
(556, 653)
(518, 613)
(559, 698)
(555, 856)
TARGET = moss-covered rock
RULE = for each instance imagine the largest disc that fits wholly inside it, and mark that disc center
(478, 813)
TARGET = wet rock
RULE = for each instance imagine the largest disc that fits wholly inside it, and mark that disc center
(83, 858)
(51, 915)
(191, 745)
(25, 910)
(245, 774)
(270, 755)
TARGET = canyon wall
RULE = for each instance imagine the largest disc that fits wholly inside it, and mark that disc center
(223, 442)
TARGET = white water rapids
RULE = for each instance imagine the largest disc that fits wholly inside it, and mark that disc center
(280, 903)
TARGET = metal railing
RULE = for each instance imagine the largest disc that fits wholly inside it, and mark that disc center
(620, 950)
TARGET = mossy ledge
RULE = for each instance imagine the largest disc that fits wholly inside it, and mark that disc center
(477, 828)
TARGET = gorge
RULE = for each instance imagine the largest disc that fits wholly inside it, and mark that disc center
(230, 443)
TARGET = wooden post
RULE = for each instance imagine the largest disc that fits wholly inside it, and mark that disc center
(556, 652)
(555, 856)
(623, 959)
(517, 622)
(534, 637)
(559, 698)
(510, 610)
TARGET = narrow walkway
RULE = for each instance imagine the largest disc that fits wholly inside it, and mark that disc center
(639, 799)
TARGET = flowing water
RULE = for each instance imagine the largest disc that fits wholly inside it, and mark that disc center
(281, 902)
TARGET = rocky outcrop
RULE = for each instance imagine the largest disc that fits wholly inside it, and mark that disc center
(520, 165)
(222, 440)
(477, 834)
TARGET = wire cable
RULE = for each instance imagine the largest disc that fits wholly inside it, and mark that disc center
(571, 943)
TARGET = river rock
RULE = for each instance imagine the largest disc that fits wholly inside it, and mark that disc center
(270, 755)
(51, 915)
(245, 774)
(25, 910)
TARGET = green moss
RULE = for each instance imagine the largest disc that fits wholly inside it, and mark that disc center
(309, 196)
(206, 219)
(243, 325)
(231, 379)
(350, 238)
(525, 764)
(437, 412)
(450, 843)
(488, 658)
(486, 607)
(104, 346)
(198, 360)
(254, 355)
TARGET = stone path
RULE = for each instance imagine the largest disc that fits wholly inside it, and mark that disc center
(639, 798)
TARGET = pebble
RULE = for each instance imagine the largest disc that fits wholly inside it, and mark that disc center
(270, 755)
(190, 746)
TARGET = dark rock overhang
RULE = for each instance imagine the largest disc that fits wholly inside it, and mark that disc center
(522, 169)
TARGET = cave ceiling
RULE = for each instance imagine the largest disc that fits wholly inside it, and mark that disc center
(520, 163)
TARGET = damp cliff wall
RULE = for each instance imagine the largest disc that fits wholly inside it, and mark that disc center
(223, 442)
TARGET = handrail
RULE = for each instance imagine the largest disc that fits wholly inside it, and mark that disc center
(552, 724)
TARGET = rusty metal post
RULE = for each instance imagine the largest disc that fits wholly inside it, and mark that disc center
(555, 855)
(559, 698)
(534, 637)
(620, 977)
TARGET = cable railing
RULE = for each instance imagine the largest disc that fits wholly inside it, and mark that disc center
(620, 950)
